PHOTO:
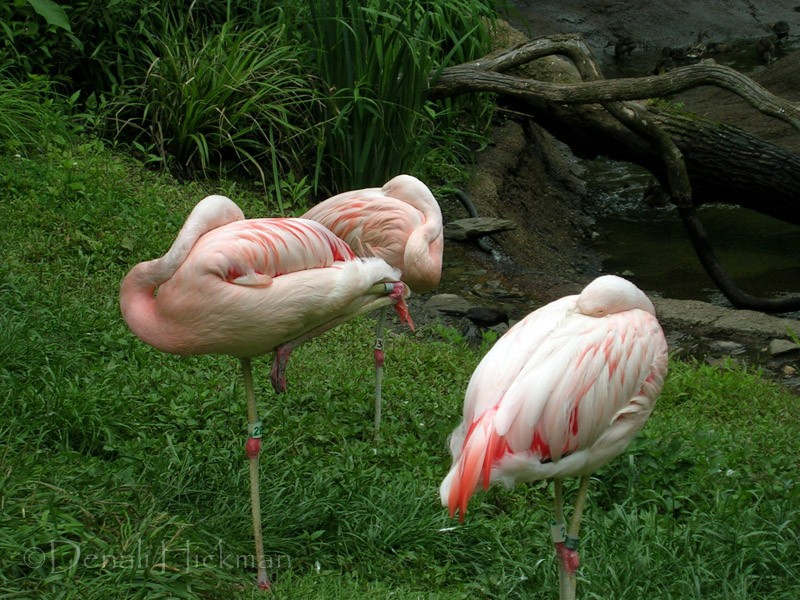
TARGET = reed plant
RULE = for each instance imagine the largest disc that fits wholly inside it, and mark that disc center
(374, 60)
(30, 112)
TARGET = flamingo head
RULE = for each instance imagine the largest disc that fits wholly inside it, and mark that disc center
(610, 294)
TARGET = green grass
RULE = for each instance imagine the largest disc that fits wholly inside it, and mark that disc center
(28, 107)
(122, 472)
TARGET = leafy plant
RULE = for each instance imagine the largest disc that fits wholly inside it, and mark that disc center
(223, 100)
(37, 34)
(374, 60)
(28, 109)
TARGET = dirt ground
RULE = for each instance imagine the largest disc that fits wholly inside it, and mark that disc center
(656, 23)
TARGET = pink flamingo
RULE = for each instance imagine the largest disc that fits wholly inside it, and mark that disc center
(249, 287)
(559, 395)
(401, 223)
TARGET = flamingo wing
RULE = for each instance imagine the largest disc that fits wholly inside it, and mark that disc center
(249, 286)
(400, 223)
(240, 252)
(560, 394)
(371, 223)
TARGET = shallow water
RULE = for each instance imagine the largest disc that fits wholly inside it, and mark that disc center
(761, 254)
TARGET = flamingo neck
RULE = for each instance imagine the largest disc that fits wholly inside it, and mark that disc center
(423, 258)
(137, 299)
(139, 308)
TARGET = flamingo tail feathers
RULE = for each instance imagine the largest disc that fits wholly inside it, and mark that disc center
(482, 447)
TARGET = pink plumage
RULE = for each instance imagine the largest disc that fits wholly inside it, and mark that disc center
(561, 393)
(248, 287)
(400, 222)
(245, 287)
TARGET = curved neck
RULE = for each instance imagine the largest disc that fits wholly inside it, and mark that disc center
(137, 301)
(138, 305)
(423, 256)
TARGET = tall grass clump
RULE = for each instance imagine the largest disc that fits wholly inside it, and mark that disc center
(29, 109)
(218, 101)
(374, 61)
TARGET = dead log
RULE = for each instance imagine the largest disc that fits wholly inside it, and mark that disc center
(696, 160)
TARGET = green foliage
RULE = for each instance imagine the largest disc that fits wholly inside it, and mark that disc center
(30, 111)
(331, 93)
(95, 44)
(229, 98)
(52, 13)
(37, 34)
(374, 60)
(122, 472)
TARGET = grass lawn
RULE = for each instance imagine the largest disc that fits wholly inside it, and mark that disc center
(122, 472)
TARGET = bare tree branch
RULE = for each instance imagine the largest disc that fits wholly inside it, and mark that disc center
(489, 74)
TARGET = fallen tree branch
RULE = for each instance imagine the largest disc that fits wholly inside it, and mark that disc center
(615, 96)
(489, 76)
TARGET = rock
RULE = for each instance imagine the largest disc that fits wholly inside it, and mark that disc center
(481, 316)
(451, 302)
(454, 305)
(727, 347)
(708, 319)
(788, 371)
(476, 227)
(777, 347)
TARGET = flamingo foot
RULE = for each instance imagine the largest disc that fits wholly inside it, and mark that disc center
(278, 373)
(569, 557)
(263, 583)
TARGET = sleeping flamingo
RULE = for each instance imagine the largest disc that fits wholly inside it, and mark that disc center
(249, 287)
(401, 223)
(559, 395)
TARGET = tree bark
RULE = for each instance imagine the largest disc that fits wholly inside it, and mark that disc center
(725, 163)
(696, 160)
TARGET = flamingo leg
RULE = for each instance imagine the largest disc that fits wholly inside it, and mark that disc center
(580, 503)
(278, 373)
(379, 358)
(558, 529)
(386, 293)
(558, 492)
(568, 549)
(252, 450)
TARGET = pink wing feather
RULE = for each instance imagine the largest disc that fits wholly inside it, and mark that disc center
(245, 287)
(400, 223)
(265, 246)
(560, 394)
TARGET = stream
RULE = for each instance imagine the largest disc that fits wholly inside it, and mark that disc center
(650, 245)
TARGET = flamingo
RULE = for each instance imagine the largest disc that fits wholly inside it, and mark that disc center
(249, 287)
(401, 223)
(559, 395)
